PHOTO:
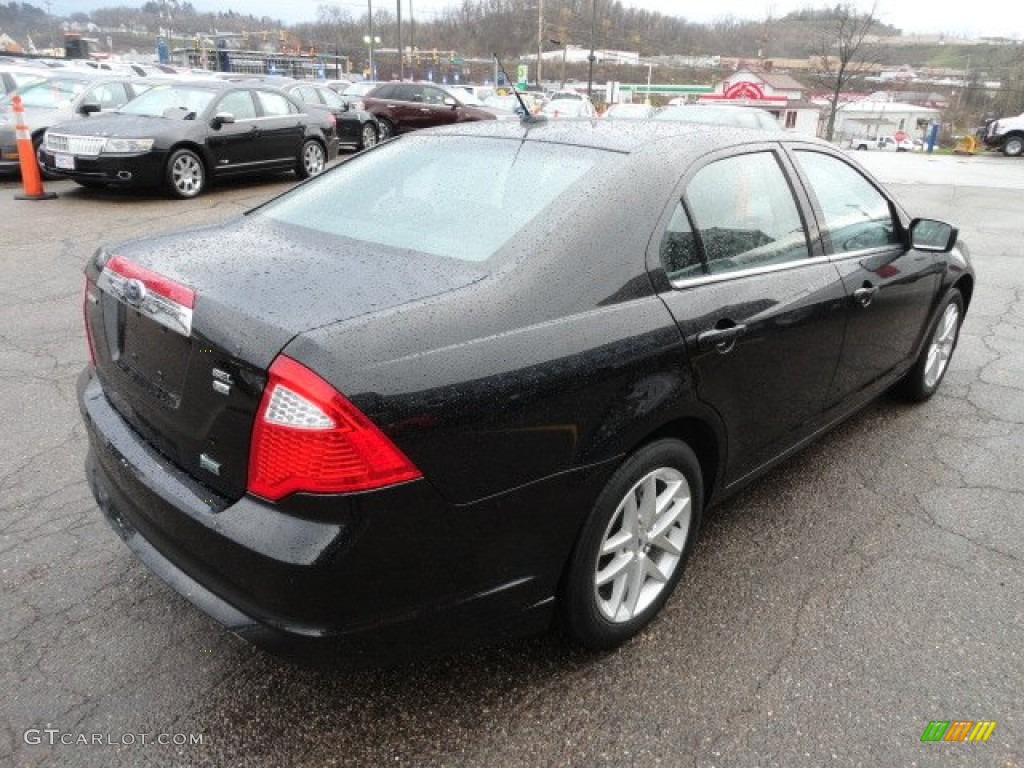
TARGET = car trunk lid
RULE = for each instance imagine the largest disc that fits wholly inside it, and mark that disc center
(182, 337)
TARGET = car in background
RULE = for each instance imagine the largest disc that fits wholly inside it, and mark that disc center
(569, 108)
(629, 112)
(400, 438)
(893, 144)
(14, 76)
(357, 128)
(59, 96)
(401, 107)
(509, 102)
(479, 92)
(862, 143)
(338, 86)
(181, 135)
(720, 114)
(360, 89)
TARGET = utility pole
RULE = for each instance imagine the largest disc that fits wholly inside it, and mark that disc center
(591, 58)
(401, 51)
(564, 42)
(540, 40)
(369, 39)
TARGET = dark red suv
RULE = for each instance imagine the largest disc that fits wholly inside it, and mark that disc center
(401, 107)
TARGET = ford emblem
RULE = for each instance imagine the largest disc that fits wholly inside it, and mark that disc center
(135, 292)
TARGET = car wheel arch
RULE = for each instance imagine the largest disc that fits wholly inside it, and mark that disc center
(199, 150)
(706, 442)
(703, 434)
(965, 284)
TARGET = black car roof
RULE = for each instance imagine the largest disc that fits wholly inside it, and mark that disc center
(621, 136)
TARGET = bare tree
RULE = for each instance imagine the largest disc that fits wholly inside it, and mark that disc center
(847, 53)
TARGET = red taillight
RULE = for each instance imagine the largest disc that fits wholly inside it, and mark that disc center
(308, 437)
(88, 328)
(155, 282)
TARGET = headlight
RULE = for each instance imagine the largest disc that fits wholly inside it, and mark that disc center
(128, 145)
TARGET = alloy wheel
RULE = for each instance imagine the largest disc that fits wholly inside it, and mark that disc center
(941, 347)
(643, 544)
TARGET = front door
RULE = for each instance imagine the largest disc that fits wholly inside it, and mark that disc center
(234, 146)
(890, 289)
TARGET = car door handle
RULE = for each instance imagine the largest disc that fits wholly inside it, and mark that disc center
(722, 339)
(865, 295)
(424, 109)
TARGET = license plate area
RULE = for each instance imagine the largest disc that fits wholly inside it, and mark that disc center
(64, 162)
(154, 354)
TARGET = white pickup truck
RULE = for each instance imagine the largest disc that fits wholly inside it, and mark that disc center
(882, 142)
(1006, 134)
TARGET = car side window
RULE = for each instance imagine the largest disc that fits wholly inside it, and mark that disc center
(679, 252)
(330, 98)
(744, 215)
(407, 92)
(306, 94)
(857, 215)
(275, 104)
(433, 95)
(239, 104)
(107, 95)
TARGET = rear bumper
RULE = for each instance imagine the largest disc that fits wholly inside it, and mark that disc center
(371, 577)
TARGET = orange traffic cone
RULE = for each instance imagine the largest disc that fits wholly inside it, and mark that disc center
(30, 179)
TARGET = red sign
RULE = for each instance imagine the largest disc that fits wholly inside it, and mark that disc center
(900, 136)
(744, 90)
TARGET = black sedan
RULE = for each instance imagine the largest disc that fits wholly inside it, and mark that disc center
(357, 128)
(180, 135)
(486, 379)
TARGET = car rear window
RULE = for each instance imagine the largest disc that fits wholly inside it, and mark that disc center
(454, 196)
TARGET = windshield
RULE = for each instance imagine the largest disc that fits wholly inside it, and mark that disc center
(455, 196)
(179, 101)
(52, 93)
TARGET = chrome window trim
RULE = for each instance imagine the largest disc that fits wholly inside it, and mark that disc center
(736, 274)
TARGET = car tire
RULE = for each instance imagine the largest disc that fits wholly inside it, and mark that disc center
(630, 555)
(367, 136)
(312, 159)
(386, 129)
(922, 381)
(1013, 146)
(185, 175)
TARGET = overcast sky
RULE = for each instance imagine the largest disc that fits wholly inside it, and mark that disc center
(951, 17)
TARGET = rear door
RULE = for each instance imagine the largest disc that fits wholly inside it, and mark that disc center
(759, 305)
(282, 128)
(890, 288)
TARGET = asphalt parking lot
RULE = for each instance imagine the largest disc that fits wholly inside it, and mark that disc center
(870, 585)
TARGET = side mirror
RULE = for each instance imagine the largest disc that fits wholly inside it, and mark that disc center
(932, 236)
(222, 118)
(88, 108)
(449, 101)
